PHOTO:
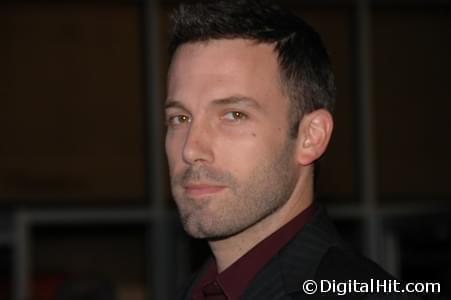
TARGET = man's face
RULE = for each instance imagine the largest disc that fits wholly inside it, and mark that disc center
(231, 160)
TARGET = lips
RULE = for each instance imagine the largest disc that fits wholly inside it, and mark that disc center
(202, 189)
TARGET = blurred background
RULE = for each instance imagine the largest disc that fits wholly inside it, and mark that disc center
(85, 208)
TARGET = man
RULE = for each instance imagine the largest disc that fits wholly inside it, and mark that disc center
(248, 112)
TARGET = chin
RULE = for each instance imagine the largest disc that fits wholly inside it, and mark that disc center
(210, 231)
(199, 229)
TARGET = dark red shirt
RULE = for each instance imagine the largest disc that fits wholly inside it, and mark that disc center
(232, 282)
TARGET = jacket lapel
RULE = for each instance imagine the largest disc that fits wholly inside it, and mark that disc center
(283, 276)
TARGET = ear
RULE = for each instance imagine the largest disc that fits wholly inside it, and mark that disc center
(314, 132)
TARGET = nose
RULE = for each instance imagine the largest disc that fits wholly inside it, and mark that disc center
(198, 144)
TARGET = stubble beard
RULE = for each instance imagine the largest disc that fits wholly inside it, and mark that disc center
(241, 204)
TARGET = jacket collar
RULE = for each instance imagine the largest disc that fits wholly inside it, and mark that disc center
(299, 259)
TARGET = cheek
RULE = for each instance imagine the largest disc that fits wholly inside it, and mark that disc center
(241, 155)
(246, 151)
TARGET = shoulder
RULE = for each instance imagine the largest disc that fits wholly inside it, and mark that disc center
(345, 267)
(339, 263)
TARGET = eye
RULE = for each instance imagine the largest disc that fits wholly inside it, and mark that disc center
(177, 120)
(235, 116)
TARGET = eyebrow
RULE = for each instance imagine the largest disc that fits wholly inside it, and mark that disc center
(236, 99)
(174, 104)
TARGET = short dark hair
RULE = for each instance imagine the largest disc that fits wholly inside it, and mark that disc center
(305, 68)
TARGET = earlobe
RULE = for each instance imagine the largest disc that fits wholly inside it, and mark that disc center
(315, 130)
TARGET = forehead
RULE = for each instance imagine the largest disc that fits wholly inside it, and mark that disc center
(221, 68)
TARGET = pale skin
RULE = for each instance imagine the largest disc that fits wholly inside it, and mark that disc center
(228, 123)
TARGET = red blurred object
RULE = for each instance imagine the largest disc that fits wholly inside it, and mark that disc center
(44, 287)
(5, 289)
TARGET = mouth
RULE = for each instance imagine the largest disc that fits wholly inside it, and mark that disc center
(202, 189)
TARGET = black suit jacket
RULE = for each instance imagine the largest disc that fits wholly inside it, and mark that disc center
(316, 252)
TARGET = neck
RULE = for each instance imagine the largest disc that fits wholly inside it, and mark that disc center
(227, 251)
